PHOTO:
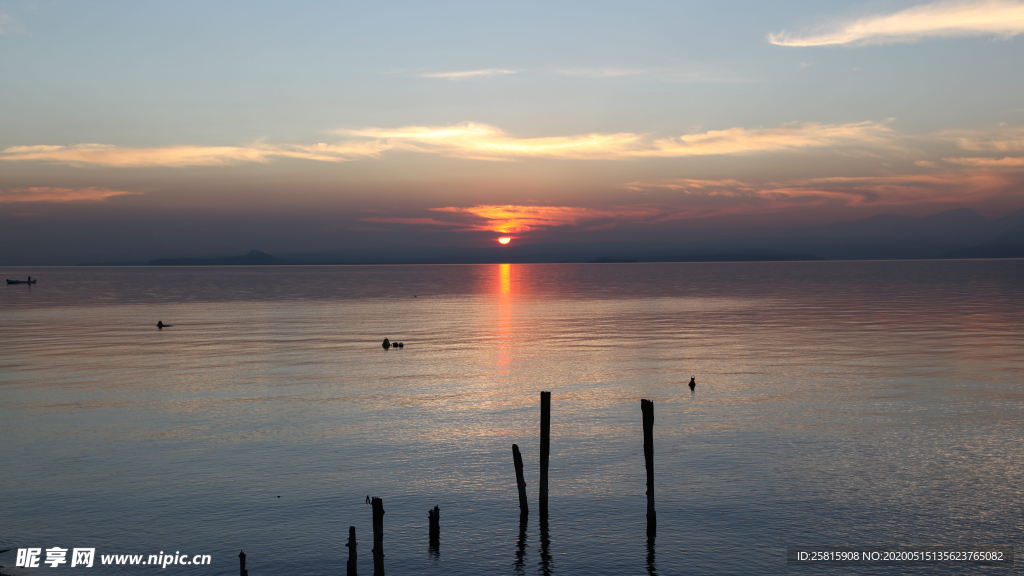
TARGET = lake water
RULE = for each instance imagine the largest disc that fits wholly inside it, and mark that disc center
(837, 403)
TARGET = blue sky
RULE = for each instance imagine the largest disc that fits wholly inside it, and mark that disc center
(312, 126)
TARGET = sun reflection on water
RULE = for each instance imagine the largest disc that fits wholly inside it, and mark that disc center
(504, 324)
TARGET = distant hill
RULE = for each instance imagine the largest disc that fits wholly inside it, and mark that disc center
(957, 233)
(253, 258)
(1007, 245)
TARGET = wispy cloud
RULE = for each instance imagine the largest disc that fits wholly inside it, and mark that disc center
(412, 221)
(106, 155)
(1010, 162)
(1003, 18)
(59, 195)
(601, 72)
(667, 75)
(462, 75)
(792, 136)
(1002, 139)
(888, 190)
(486, 142)
(5, 23)
(179, 156)
(480, 141)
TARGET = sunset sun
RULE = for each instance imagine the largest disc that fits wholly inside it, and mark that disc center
(504, 240)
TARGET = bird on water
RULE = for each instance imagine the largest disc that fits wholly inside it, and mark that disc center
(693, 382)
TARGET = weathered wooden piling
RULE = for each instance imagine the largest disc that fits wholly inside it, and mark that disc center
(378, 536)
(545, 450)
(647, 407)
(517, 460)
(241, 564)
(435, 526)
(351, 564)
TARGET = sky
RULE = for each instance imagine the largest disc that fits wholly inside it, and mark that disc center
(138, 130)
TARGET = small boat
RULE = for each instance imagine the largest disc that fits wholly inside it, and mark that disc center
(21, 281)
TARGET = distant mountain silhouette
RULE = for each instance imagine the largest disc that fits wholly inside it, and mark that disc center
(886, 236)
(890, 236)
(253, 258)
(1007, 245)
(957, 233)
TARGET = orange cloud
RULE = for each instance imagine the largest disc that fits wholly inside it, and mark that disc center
(937, 19)
(39, 194)
(511, 219)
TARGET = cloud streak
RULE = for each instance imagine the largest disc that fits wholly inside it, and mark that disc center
(59, 195)
(1002, 18)
(469, 74)
(106, 155)
(790, 136)
(732, 196)
(482, 142)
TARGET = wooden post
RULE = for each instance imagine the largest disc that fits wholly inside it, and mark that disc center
(517, 460)
(647, 407)
(241, 564)
(378, 536)
(351, 565)
(435, 526)
(545, 450)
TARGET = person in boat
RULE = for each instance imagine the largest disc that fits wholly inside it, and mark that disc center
(693, 382)
(386, 344)
(160, 324)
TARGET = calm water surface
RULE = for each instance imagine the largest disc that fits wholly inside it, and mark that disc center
(838, 403)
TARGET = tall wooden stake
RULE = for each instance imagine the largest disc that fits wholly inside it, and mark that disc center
(351, 565)
(647, 407)
(241, 564)
(378, 536)
(545, 450)
(517, 459)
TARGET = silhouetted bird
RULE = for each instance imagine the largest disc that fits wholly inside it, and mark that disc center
(693, 382)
